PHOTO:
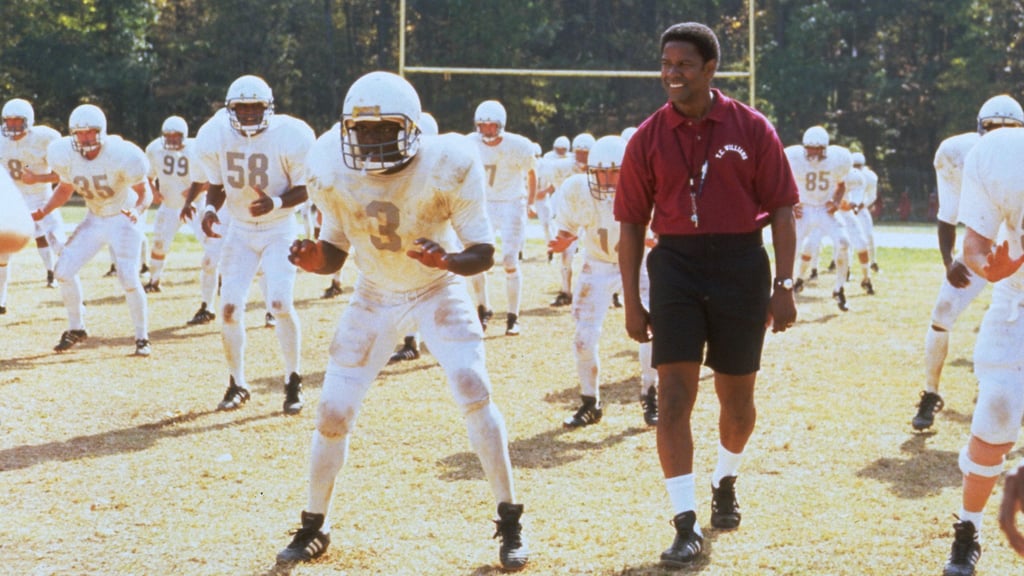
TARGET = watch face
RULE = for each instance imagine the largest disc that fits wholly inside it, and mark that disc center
(787, 283)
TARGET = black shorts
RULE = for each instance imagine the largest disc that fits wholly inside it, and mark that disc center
(714, 291)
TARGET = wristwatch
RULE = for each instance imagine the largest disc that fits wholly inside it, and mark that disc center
(784, 283)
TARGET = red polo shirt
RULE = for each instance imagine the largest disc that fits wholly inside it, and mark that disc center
(747, 175)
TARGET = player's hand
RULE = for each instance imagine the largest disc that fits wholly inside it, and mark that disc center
(999, 265)
(1013, 502)
(781, 311)
(638, 322)
(430, 254)
(28, 176)
(531, 211)
(262, 205)
(38, 215)
(831, 207)
(561, 243)
(306, 254)
(958, 275)
(209, 219)
(130, 214)
(188, 212)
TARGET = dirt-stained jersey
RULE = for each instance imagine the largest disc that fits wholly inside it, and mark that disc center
(174, 169)
(378, 217)
(576, 208)
(272, 161)
(28, 152)
(993, 192)
(949, 166)
(816, 179)
(505, 166)
(105, 181)
(560, 169)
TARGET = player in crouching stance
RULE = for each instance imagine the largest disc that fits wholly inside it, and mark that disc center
(399, 203)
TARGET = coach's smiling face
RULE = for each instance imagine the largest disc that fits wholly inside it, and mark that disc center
(686, 77)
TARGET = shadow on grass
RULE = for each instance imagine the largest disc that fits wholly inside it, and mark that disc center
(920, 474)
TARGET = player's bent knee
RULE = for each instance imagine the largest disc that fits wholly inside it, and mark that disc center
(969, 459)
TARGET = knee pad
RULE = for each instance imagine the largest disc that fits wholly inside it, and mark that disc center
(968, 466)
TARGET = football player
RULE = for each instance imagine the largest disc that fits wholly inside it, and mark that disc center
(548, 181)
(23, 153)
(253, 160)
(509, 163)
(110, 173)
(863, 210)
(585, 202)
(408, 277)
(960, 286)
(992, 208)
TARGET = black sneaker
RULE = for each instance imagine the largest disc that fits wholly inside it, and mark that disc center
(332, 291)
(966, 550)
(563, 299)
(814, 275)
(866, 285)
(308, 543)
(111, 272)
(50, 282)
(725, 510)
(930, 404)
(269, 321)
(293, 394)
(142, 347)
(409, 351)
(151, 287)
(840, 297)
(511, 325)
(485, 316)
(687, 545)
(69, 338)
(234, 397)
(649, 402)
(202, 316)
(874, 266)
(512, 552)
(798, 286)
(589, 413)
(616, 301)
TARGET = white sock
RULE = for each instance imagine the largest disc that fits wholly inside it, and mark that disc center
(728, 464)
(936, 347)
(327, 458)
(682, 495)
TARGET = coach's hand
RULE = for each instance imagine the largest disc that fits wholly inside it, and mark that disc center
(958, 275)
(781, 310)
(307, 254)
(638, 322)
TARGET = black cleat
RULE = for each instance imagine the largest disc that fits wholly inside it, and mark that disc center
(111, 272)
(332, 291)
(485, 316)
(798, 286)
(293, 394)
(3, 310)
(551, 256)
(616, 301)
(589, 413)
(512, 552)
(151, 287)
(966, 550)
(234, 397)
(511, 324)
(69, 338)
(687, 545)
(269, 321)
(840, 297)
(725, 510)
(866, 285)
(832, 266)
(649, 402)
(202, 316)
(409, 351)
(814, 275)
(563, 299)
(874, 266)
(309, 542)
(50, 281)
(931, 403)
(142, 347)
(143, 269)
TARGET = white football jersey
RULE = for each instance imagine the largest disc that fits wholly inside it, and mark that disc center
(993, 192)
(174, 169)
(870, 185)
(376, 218)
(817, 179)
(576, 208)
(105, 181)
(272, 161)
(949, 167)
(855, 184)
(28, 152)
(505, 166)
(560, 169)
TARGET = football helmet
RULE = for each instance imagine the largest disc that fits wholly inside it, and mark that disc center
(372, 99)
(858, 158)
(13, 109)
(428, 124)
(249, 89)
(584, 141)
(561, 143)
(83, 119)
(174, 132)
(815, 137)
(490, 112)
(998, 111)
(537, 152)
(628, 132)
(603, 165)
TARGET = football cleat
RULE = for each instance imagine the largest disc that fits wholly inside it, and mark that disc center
(649, 402)
(798, 286)
(111, 272)
(511, 325)
(269, 321)
(616, 301)
(589, 413)
(840, 297)
(69, 338)
(202, 316)
(687, 545)
(308, 543)
(931, 403)
(814, 275)
(234, 397)
(293, 394)
(144, 269)
(866, 285)
(874, 266)
(485, 316)
(152, 286)
(332, 291)
(50, 282)
(409, 351)
(512, 552)
(832, 266)
(966, 550)
(563, 299)
(725, 510)
(551, 256)
(142, 347)
(3, 310)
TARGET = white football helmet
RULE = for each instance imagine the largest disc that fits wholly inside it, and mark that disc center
(250, 89)
(584, 141)
(83, 118)
(628, 132)
(858, 158)
(606, 154)
(815, 137)
(488, 112)
(561, 143)
(428, 124)
(380, 97)
(17, 108)
(537, 152)
(999, 111)
(174, 125)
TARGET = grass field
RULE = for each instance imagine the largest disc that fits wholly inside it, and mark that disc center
(111, 464)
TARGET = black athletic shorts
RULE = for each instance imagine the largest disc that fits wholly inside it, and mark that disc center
(710, 290)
